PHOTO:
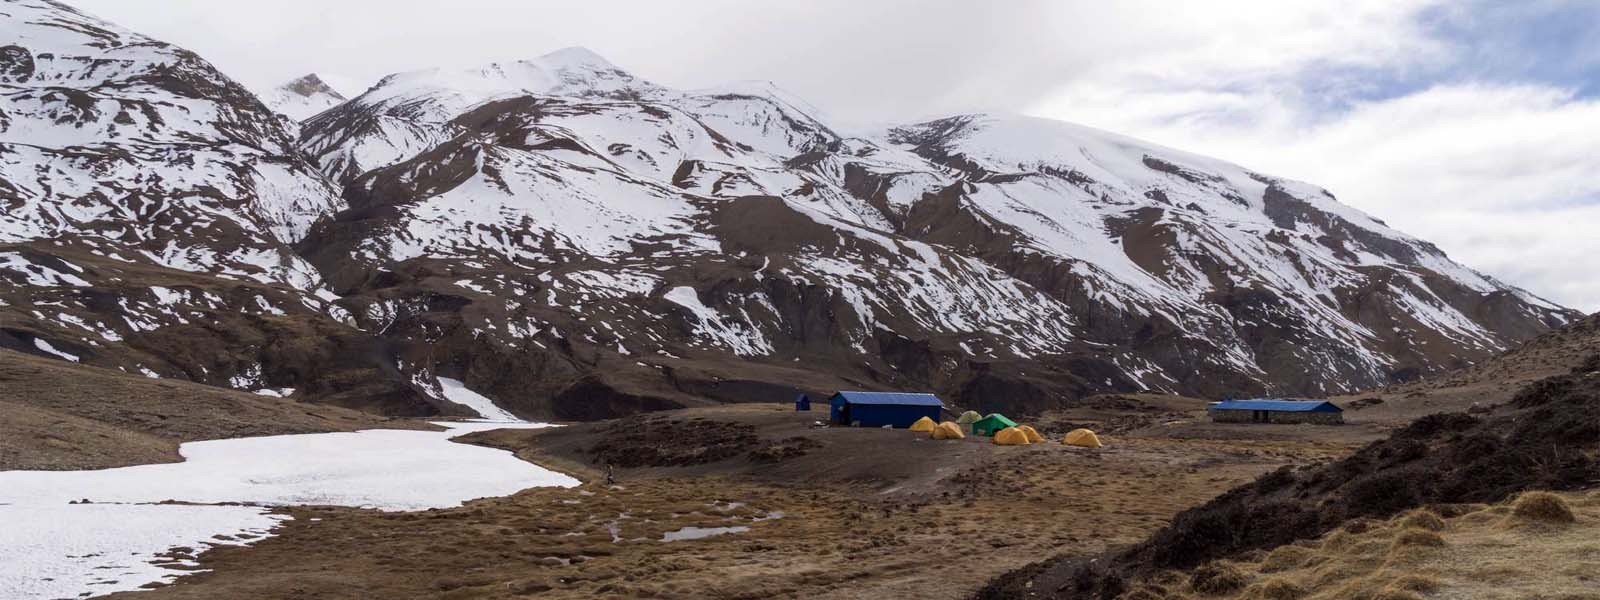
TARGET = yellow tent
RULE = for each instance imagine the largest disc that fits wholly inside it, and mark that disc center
(1082, 437)
(923, 425)
(948, 431)
(1011, 436)
(1033, 436)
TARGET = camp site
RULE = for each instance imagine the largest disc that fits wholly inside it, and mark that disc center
(849, 481)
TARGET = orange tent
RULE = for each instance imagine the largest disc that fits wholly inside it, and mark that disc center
(923, 425)
(948, 431)
(1033, 436)
(1011, 436)
(1083, 438)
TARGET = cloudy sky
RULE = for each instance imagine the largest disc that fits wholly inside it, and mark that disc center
(1473, 124)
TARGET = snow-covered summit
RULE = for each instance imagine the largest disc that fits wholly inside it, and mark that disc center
(303, 97)
(566, 72)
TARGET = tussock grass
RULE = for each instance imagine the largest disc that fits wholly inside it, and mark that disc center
(1542, 507)
(1277, 588)
(1424, 554)
(1415, 536)
(1423, 519)
(1284, 558)
(1217, 578)
(1416, 582)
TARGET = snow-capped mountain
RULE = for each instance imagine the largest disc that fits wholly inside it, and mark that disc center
(148, 205)
(574, 241)
(302, 98)
(575, 214)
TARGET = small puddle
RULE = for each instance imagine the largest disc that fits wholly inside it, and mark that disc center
(695, 533)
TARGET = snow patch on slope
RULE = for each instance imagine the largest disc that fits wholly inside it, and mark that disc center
(457, 392)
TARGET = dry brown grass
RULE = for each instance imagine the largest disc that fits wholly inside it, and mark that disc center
(1418, 537)
(1278, 588)
(1217, 578)
(1423, 519)
(1396, 594)
(1284, 558)
(835, 540)
(1416, 582)
(1542, 507)
(1461, 552)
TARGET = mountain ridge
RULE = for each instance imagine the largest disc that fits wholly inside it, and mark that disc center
(577, 242)
(303, 97)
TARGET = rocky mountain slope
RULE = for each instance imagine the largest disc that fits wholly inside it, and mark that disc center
(564, 213)
(1543, 437)
(148, 207)
(574, 241)
(303, 98)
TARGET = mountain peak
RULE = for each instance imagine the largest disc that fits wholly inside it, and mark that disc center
(311, 84)
(303, 97)
(576, 56)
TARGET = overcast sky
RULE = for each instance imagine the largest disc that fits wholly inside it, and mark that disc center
(1474, 125)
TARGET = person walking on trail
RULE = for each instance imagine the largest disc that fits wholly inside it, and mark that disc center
(611, 475)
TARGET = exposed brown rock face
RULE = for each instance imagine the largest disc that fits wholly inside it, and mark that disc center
(575, 242)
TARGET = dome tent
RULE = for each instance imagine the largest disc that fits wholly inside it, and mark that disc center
(1033, 435)
(968, 418)
(948, 431)
(1083, 438)
(992, 424)
(923, 425)
(1011, 436)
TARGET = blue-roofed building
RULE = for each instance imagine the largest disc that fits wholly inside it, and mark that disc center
(876, 409)
(1320, 412)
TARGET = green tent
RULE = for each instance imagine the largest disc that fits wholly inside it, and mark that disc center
(992, 424)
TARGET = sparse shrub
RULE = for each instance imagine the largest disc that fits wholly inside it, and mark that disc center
(1284, 558)
(1423, 519)
(1279, 588)
(1543, 507)
(1217, 577)
(1418, 537)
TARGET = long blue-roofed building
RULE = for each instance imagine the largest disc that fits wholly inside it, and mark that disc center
(877, 409)
(1319, 412)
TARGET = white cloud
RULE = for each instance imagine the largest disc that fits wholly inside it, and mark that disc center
(1502, 176)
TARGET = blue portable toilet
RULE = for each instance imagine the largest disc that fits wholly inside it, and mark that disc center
(802, 403)
(877, 409)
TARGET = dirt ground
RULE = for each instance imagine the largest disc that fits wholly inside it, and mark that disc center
(854, 513)
(61, 416)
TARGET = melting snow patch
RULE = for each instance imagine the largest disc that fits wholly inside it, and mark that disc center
(695, 533)
(61, 551)
(457, 392)
(45, 346)
(52, 549)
